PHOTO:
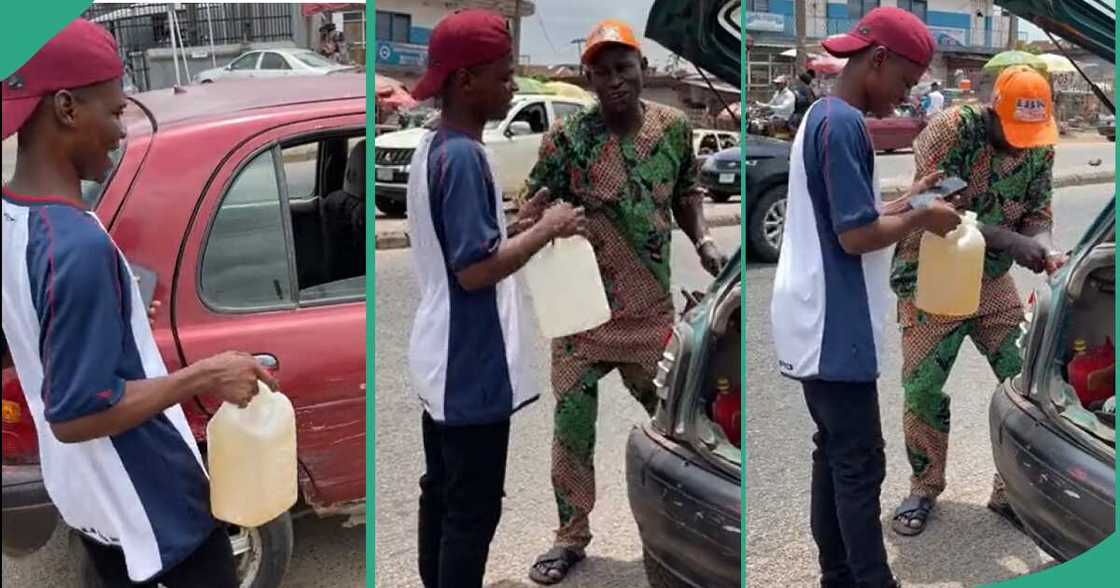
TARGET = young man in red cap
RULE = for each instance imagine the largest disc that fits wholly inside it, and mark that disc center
(831, 287)
(1005, 152)
(118, 458)
(630, 164)
(467, 352)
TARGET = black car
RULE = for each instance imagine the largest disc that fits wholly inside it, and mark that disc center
(719, 174)
(767, 169)
(1056, 448)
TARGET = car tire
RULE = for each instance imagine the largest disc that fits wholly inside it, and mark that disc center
(720, 197)
(265, 553)
(391, 208)
(765, 226)
(658, 575)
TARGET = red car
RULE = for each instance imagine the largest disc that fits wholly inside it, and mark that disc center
(218, 190)
(898, 131)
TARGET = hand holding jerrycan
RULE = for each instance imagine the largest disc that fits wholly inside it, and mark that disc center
(567, 290)
(252, 459)
(950, 270)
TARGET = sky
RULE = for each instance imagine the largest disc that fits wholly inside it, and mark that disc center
(564, 20)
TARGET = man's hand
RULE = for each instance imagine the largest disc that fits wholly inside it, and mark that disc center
(940, 218)
(563, 220)
(925, 184)
(532, 210)
(711, 258)
(234, 376)
(1055, 261)
(1026, 251)
(153, 310)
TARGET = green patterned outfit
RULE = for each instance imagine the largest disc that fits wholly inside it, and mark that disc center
(628, 187)
(1009, 190)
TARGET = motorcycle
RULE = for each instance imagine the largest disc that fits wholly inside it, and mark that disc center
(761, 122)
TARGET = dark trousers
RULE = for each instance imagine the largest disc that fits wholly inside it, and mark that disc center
(848, 471)
(210, 566)
(460, 500)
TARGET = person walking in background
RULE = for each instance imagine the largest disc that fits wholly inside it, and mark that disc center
(118, 458)
(630, 164)
(467, 354)
(1005, 152)
(831, 287)
(936, 100)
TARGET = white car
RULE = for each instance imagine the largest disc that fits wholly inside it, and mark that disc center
(513, 144)
(273, 63)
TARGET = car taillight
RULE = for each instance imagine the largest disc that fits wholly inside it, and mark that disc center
(663, 380)
(20, 443)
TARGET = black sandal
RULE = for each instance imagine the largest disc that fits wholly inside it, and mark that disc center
(554, 565)
(911, 516)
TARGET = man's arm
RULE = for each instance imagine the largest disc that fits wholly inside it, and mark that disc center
(887, 230)
(562, 220)
(688, 206)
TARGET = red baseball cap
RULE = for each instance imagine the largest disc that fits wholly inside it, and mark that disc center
(464, 39)
(81, 54)
(897, 30)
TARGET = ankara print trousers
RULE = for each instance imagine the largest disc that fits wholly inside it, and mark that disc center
(929, 351)
(573, 445)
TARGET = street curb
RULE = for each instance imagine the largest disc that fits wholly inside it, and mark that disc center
(400, 240)
(389, 240)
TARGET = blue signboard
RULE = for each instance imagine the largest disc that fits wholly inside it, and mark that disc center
(404, 54)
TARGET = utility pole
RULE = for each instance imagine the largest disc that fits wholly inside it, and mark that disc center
(579, 52)
(517, 34)
(1013, 32)
(799, 24)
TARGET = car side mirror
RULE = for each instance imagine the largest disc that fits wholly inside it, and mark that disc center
(518, 128)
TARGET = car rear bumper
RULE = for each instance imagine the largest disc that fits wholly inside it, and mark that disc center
(1064, 495)
(711, 181)
(29, 517)
(688, 516)
(392, 192)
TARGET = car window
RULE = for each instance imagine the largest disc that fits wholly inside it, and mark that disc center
(300, 162)
(92, 191)
(272, 60)
(247, 61)
(565, 109)
(727, 141)
(708, 144)
(245, 258)
(535, 115)
(313, 59)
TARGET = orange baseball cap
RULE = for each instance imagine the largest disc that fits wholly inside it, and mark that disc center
(1025, 108)
(608, 32)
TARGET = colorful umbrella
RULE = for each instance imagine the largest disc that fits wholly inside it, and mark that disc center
(568, 90)
(826, 64)
(530, 86)
(1057, 64)
(1010, 58)
(392, 95)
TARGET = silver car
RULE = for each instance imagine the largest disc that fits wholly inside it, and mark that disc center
(273, 63)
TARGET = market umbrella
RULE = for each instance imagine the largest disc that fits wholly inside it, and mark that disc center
(568, 90)
(530, 86)
(392, 95)
(1057, 64)
(826, 64)
(1009, 58)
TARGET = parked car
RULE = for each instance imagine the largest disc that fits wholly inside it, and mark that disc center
(1107, 127)
(708, 142)
(273, 63)
(767, 169)
(719, 173)
(514, 141)
(683, 470)
(217, 191)
(1054, 448)
(898, 131)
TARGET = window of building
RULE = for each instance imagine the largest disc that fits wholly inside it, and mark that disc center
(393, 26)
(858, 8)
(758, 5)
(915, 7)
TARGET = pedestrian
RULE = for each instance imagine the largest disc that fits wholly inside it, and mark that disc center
(1005, 152)
(467, 354)
(629, 163)
(936, 100)
(831, 286)
(804, 97)
(118, 458)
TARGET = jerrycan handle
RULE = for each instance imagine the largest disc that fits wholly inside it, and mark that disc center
(970, 217)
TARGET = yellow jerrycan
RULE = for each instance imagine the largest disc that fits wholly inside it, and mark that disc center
(252, 459)
(567, 290)
(950, 270)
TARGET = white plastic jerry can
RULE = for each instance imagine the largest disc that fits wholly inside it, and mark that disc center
(252, 459)
(951, 269)
(567, 290)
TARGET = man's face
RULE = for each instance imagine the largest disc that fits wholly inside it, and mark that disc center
(491, 87)
(999, 139)
(890, 80)
(615, 76)
(92, 117)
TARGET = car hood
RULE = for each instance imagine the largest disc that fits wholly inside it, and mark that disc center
(406, 139)
(707, 33)
(1089, 24)
(729, 154)
(762, 147)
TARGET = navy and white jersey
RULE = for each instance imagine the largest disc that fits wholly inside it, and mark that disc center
(466, 353)
(78, 331)
(829, 307)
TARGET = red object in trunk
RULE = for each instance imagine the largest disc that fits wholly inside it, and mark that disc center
(21, 444)
(726, 410)
(1084, 365)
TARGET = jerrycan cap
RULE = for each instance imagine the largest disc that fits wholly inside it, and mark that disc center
(970, 216)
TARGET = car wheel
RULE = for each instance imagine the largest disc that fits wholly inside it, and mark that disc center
(720, 197)
(391, 208)
(658, 575)
(261, 555)
(766, 225)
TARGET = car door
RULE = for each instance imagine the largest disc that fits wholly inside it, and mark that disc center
(515, 155)
(245, 284)
(273, 65)
(245, 66)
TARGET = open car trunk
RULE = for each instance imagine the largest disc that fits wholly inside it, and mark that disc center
(712, 416)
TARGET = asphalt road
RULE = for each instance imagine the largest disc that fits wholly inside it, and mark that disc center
(529, 515)
(965, 544)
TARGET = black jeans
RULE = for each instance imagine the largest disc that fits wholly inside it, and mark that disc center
(460, 500)
(210, 566)
(848, 471)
